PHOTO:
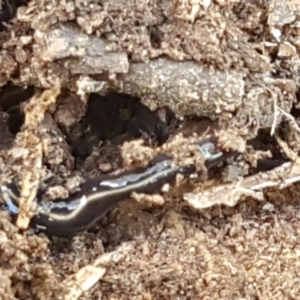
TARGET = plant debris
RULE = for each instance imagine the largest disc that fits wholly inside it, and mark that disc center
(92, 88)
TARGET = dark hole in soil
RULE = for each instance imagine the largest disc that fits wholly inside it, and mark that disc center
(155, 36)
(265, 142)
(118, 118)
(295, 112)
(8, 9)
(11, 97)
(122, 115)
(114, 118)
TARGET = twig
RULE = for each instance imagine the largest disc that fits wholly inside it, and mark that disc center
(230, 194)
(278, 110)
(31, 140)
(289, 153)
(273, 128)
(290, 117)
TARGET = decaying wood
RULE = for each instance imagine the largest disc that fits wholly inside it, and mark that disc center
(230, 194)
(193, 89)
(31, 140)
(82, 54)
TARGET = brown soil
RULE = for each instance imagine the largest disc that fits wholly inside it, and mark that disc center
(94, 87)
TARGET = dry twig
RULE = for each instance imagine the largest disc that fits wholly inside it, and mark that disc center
(30, 138)
(230, 194)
